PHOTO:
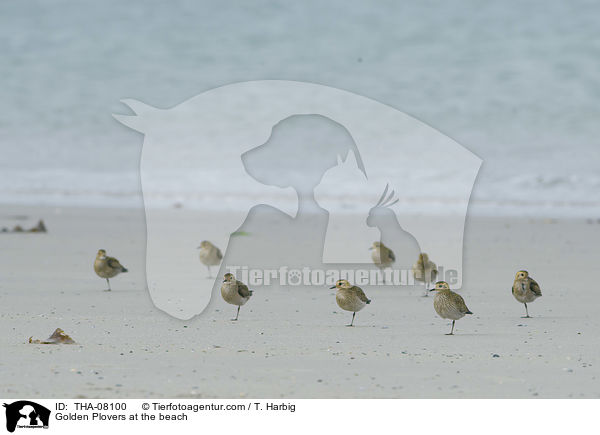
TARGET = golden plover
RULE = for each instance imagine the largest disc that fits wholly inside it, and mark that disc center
(382, 256)
(210, 255)
(107, 267)
(449, 305)
(525, 289)
(424, 270)
(350, 298)
(235, 292)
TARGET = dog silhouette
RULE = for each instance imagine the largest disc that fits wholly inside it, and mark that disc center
(13, 414)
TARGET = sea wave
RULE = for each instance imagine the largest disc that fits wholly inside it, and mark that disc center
(573, 196)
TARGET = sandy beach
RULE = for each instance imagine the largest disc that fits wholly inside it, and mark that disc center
(295, 344)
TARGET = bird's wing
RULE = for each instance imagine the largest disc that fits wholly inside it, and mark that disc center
(219, 254)
(361, 294)
(462, 306)
(534, 287)
(243, 290)
(391, 255)
(113, 263)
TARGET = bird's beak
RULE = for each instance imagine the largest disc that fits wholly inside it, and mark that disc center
(371, 248)
(432, 290)
(331, 288)
(224, 280)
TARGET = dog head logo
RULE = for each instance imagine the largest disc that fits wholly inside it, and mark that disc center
(26, 414)
(268, 150)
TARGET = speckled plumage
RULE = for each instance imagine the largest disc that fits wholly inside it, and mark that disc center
(107, 267)
(449, 305)
(209, 255)
(235, 292)
(350, 297)
(382, 256)
(525, 289)
(424, 270)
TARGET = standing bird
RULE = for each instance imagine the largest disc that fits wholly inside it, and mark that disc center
(525, 289)
(383, 217)
(350, 297)
(449, 305)
(382, 256)
(424, 270)
(235, 292)
(210, 255)
(107, 267)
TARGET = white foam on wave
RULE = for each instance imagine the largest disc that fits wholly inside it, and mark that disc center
(524, 100)
(532, 196)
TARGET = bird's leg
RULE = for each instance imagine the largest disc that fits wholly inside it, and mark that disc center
(352, 322)
(237, 314)
(526, 312)
(209, 274)
(426, 289)
(452, 330)
(108, 289)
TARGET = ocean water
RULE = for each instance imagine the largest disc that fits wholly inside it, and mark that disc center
(515, 82)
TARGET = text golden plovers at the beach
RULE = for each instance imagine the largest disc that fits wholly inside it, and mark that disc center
(525, 289)
(107, 267)
(350, 298)
(449, 305)
(209, 255)
(235, 292)
(382, 256)
(425, 270)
